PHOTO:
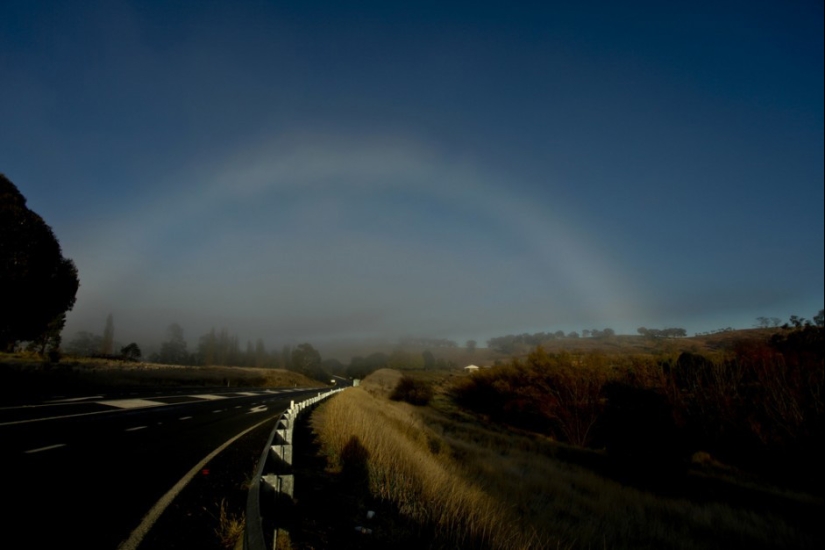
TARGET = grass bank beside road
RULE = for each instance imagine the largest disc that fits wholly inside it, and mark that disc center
(453, 480)
(27, 376)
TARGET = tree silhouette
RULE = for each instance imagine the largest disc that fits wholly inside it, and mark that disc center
(108, 336)
(37, 284)
(131, 352)
(307, 360)
(84, 343)
(50, 339)
(173, 351)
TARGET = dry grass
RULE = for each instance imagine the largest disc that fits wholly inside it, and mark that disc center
(405, 468)
(230, 527)
(477, 486)
(23, 374)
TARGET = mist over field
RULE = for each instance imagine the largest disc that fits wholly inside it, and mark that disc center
(313, 172)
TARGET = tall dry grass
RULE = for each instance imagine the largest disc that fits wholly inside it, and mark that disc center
(477, 486)
(230, 527)
(408, 466)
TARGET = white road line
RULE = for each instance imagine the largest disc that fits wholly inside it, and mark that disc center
(218, 411)
(209, 396)
(74, 399)
(131, 403)
(41, 449)
(185, 418)
(150, 518)
(116, 403)
(136, 428)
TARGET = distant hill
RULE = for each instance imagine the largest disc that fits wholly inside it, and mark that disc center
(629, 344)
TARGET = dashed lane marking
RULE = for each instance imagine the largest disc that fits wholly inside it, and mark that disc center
(74, 399)
(131, 403)
(48, 448)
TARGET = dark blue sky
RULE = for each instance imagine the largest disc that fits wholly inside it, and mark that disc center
(318, 170)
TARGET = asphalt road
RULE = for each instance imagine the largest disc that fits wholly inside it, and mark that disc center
(91, 472)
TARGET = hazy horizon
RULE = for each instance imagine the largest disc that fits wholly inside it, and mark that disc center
(316, 172)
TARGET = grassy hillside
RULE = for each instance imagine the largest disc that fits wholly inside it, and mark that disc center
(446, 477)
(622, 344)
(621, 442)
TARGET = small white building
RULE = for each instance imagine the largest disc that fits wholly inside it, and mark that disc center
(471, 369)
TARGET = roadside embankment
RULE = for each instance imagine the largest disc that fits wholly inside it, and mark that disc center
(442, 477)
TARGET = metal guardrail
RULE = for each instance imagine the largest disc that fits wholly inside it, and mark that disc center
(271, 492)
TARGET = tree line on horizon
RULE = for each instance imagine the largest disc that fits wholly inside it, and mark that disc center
(511, 343)
(214, 348)
(222, 348)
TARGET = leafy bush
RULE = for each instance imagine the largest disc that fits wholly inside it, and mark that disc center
(414, 392)
(639, 430)
(555, 394)
(758, 406)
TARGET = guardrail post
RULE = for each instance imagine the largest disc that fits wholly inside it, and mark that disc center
(282, 453)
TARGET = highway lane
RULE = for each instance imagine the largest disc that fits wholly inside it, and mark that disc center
(84, 474)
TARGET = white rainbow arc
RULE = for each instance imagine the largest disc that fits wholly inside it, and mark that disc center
(343, 169)
(319, 164)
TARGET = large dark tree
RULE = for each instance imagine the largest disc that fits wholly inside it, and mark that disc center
(37, 284)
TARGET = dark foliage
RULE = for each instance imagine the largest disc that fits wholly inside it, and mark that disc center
(130, 352)
(37, 284)
(759, 406)
(547, 393)
(307, 361)
(639, 430)
(412, 391)
(360, 367)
